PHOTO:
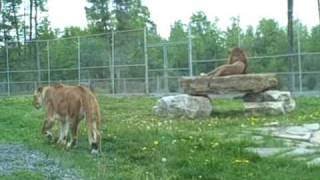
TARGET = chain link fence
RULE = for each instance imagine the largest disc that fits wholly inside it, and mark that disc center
(124, 63)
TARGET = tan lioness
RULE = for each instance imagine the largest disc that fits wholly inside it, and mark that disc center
(69, 105)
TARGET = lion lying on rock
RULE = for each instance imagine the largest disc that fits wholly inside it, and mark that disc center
(69, 105)
(237, 64)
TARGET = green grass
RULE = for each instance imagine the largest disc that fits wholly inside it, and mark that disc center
(139, 145)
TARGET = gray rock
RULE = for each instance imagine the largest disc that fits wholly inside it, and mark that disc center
(257, 108)
(297, 130)
(183, 105)
(270, 95)
(257, 138)
(304, 137)
(266, 152)
(276, 101)
(243, 83)
(312, 126)
(314, 162)
(276, 123)
(299, 151)
(315, 138)
(306, 144)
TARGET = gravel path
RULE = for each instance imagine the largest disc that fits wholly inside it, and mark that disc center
(15, 158)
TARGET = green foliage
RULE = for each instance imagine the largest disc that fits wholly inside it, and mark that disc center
(99, 16)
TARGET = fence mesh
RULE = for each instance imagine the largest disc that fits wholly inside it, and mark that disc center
(125, 63)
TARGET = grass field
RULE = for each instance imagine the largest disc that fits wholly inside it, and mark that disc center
(138, 145)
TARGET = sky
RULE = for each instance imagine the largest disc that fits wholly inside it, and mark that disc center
(165, 12)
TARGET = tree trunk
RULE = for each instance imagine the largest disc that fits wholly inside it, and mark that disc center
(15, 21)
(30, 19)
(319, 9)
(290, 45)
(36, 6)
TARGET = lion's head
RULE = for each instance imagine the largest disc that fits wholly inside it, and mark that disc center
(236, 55)
(38, 98)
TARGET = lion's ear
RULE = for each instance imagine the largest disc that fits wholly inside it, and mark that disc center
(40, 89)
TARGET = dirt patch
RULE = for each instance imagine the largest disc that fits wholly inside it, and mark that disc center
(15, 158)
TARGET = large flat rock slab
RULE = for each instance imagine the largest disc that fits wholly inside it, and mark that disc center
(244, 83)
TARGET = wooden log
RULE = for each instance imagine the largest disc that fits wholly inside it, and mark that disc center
(244, 83)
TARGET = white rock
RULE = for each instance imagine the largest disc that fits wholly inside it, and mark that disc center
(315, 138)
(297, 130)
(304, 137)
(273, 108)
(266, 152)
(183, 105)
(276, 123)
(270, 102)
(314, 162)
(306, 144)
(300, 151)
(312, 126)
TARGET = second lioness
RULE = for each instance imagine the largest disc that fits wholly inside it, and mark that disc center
(69, 105)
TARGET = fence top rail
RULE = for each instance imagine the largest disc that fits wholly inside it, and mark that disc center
(167, 44)
(260, 57)
(82, 36)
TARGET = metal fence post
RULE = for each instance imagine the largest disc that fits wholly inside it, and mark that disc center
(38, 62)
(165, 68)
(48, 56)
(8, 69)
(299, 60)
(146, 61)
(112, 63)
(190, 51)
(79, 61)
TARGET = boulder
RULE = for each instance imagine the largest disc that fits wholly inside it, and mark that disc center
(270, 108)
(269, 102)
(183, 105)
(285, 97)
(244, 83)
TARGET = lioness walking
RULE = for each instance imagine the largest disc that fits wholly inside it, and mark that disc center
(69, 105)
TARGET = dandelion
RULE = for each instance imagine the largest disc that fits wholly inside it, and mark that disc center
(156, 142)
(213, 145)
(241, 161)
(164, 159)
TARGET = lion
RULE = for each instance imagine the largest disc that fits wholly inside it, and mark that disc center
(237, 64)
(69, 105)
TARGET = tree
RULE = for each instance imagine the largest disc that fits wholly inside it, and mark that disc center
(248, 41)
(319, 9)
(208, 42)
(131, 14)
(99, 16)
(30, 19)
(270, 38)
(233, 34)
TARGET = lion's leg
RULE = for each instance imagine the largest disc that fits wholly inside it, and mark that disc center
(47, 126)
(64, 128)
(230, 69)
(74, 134)
(93, 136)
(214, 71)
